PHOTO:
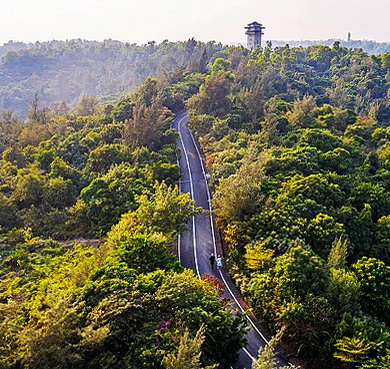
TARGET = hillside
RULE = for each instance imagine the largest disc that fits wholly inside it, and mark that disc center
(297, 144)
(67, 70)
(127, 302)
(296, 141)
(368, 46)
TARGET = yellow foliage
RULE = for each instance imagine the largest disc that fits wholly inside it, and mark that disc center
(189, 353)
(352, 350)
(258, 257)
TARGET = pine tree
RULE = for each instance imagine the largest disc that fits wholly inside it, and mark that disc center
(338, 254)
(267, 356)
(189, 353)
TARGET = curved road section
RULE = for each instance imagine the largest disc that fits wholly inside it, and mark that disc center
(196, 244)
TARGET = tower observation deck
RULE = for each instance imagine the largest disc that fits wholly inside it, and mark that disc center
(254, 31)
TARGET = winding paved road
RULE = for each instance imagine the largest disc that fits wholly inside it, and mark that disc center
(196, 244)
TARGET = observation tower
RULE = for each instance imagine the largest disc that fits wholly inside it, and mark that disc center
(254, 31)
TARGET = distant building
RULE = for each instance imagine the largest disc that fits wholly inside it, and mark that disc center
(349, 37)
(254, 31)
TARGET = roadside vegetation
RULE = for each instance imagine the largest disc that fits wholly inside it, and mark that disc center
(297, 144)
(104, 172)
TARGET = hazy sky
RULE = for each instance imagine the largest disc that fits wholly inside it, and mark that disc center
(221, 20)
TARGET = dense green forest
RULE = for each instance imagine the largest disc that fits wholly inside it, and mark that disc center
(297, 144)
(368, 46)
(121, 300)
(67, 70)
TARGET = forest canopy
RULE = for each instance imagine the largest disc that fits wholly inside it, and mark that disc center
(89, 211)
(296, 142)
(67, 70)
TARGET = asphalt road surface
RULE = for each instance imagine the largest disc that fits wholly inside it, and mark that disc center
(201, 239)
